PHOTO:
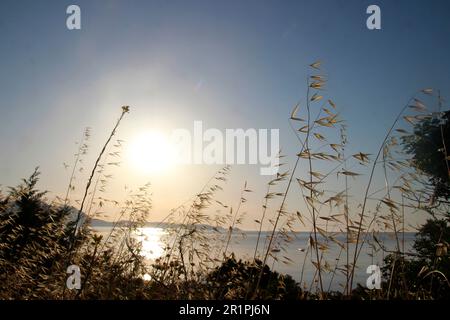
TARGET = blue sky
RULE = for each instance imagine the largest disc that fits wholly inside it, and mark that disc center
(230, 64)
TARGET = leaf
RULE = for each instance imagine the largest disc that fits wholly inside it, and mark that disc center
(322, 232)
(316, 174)
(423, 116)
(340, 244)
(316, 65)
(418, 106)
(304, 154)
(308, 185)
(315, 264)
(294, 112)
(332, 104)
(355, 228)
(427, 91)
(317, 85)
(319, 136)
(363, 157)
(350, 173)
(310, 201)
(324, 122)
(328, 112)
(299, 216)
(402, 131)
(304, 129)
(336, 198)
(316, 97)
(389, 203)
(422, 271)
(409, 119)
(335, 146)
(318, 78)
(311, 242)
(377, 241)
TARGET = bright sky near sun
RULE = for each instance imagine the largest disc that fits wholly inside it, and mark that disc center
(229, 64)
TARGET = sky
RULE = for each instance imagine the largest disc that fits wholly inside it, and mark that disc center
(229, 64)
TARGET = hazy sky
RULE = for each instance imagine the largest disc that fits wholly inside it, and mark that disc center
(231, 64)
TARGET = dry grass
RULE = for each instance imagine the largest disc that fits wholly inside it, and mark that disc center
(196, 257)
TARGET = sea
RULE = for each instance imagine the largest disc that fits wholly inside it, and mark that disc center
(295, 257)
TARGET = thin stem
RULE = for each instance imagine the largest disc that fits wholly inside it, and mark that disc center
(261, 222)
(363, 209)
(230, 231)
(316, 249)
(77, 159)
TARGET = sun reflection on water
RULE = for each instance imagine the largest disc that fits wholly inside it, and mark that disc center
(151, 241)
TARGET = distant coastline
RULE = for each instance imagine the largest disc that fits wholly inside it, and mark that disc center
(99, 223)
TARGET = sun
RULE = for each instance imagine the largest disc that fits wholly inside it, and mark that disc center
(151, 152)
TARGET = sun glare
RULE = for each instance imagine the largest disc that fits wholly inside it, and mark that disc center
(151, 152)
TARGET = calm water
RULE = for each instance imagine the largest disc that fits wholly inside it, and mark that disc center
(244, 247)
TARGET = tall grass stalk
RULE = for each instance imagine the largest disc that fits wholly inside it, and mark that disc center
(371, 176)
(125, 109)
